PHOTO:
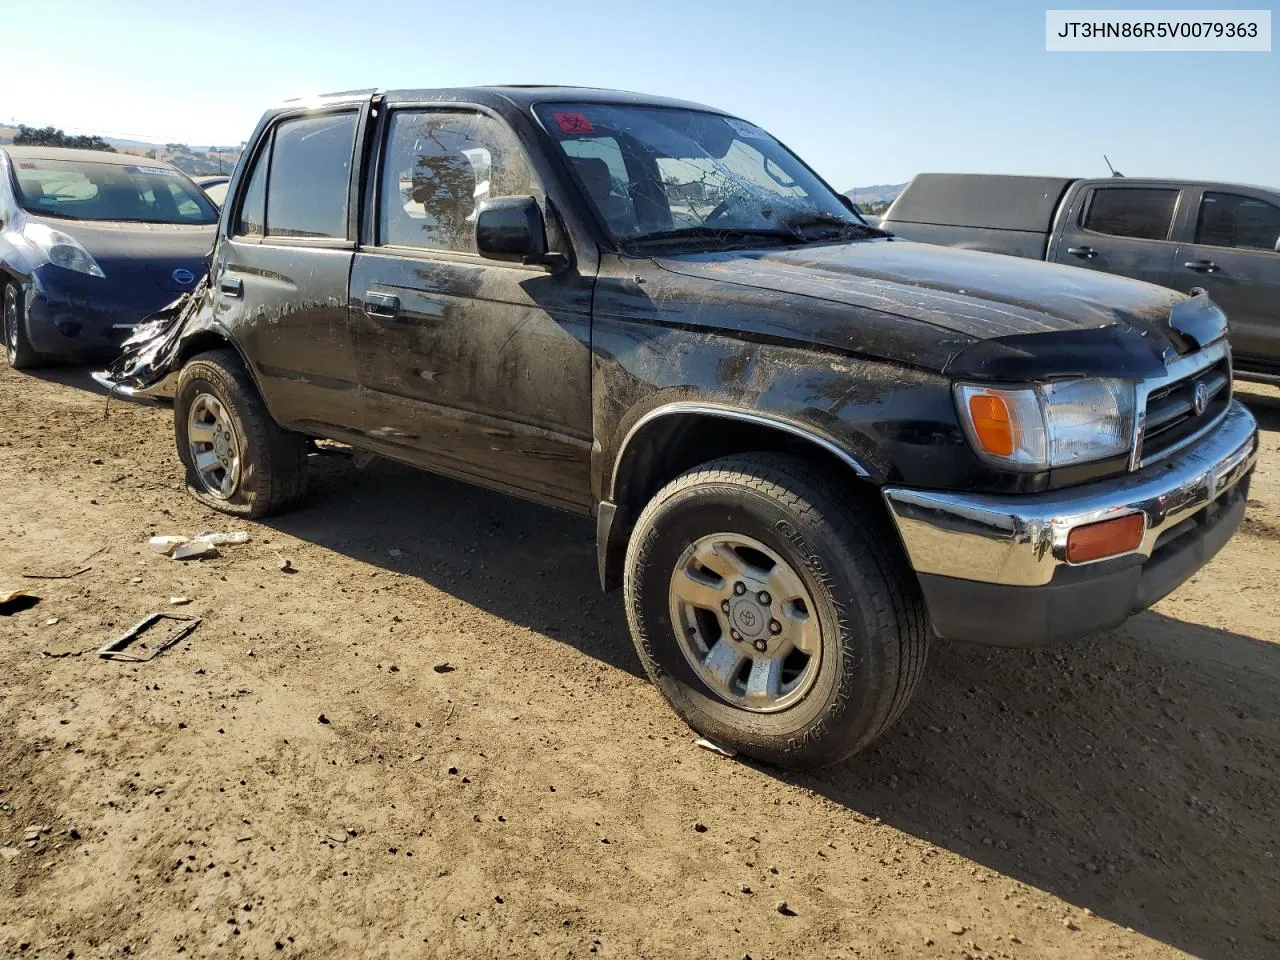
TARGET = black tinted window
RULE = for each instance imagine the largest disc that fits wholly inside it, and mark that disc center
(310, 175)
(252, 216)
(437, 167)
(1131, 212)
(1230, 220)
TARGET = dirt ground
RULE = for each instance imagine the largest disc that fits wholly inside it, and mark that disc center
(434, 739)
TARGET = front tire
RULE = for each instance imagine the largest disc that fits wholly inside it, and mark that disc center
(774, 610)
(238, 459)
(18, 348)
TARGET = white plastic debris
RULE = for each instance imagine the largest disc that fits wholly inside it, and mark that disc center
(714, 747)
(179, 601)
(194, 550)
(51, 621)
(166, 545)
(223, 539)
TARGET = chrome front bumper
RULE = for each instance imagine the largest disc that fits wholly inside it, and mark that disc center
(1022, 540)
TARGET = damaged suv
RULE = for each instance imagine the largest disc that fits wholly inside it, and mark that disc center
(808, 446)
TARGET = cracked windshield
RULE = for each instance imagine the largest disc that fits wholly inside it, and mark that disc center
(657, 173)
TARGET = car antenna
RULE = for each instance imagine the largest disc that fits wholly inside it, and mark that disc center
(1114, 171)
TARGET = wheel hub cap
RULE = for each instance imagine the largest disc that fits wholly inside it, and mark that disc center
(744, 621)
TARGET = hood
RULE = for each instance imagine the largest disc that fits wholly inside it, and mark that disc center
(977, 296)
(172, 256)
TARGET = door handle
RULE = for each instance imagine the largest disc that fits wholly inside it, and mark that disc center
(1202, 266)
(381, 306)
(1087, 253)
(231, 287)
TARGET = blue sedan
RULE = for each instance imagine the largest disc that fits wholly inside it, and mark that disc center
(90, 244)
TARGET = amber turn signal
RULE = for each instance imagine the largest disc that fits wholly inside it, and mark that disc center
(1108, 538)
(992, 424)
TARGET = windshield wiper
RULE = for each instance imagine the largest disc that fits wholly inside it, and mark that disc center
(723, 234)
(801, 222)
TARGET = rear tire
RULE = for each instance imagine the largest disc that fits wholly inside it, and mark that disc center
(845, 637)
(18, 348)
(238, 459)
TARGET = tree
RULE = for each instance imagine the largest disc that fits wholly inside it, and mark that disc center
(54, 137)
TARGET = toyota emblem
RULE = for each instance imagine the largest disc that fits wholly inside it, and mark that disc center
(1201, 399)
(183, 277)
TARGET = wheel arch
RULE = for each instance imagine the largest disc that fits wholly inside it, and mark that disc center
(671, 439)
(210, 338)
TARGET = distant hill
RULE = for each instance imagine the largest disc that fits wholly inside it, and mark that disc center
(875, 198)
(193, 160)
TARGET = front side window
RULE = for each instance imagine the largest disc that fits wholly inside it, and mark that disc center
(437, 167)
(1138, 212)
(89, 190)
(658, 173)
(310, 176)
(1230, 220)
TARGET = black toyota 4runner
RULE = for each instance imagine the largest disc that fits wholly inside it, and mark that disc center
(808, 446)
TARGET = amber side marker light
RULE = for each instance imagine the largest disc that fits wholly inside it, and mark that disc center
(1109, 538)
(992, 424)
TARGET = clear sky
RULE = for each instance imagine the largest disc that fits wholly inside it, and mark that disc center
(867, 91)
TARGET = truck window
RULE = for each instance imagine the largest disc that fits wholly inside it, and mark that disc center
(1140, 212)
(252, 216)
(310, 176)
(1230, 220)
(438, 165)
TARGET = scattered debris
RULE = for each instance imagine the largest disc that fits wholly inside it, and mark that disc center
(223, 539)
(115, 649)
(191, 548)
(699, 827)
(167, 544)
(322, 718)
(194, 550)
(81, 567)
(179, 601)
(286, 566)
(51, 621)
(1069, 923)
(956, 927)
(706, 744)
(782, 908)
(15, 601)
(444, 668)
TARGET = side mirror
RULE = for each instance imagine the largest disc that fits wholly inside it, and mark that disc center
(1277, 244)
(511, 228)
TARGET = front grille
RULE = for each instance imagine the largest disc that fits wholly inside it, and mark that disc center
(1171, 416)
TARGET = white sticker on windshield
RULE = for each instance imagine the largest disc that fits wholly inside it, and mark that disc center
(744, 129)
(156, 171)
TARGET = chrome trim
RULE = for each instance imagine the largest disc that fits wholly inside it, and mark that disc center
(1022, 540)
(731, 413)
(1176, 370)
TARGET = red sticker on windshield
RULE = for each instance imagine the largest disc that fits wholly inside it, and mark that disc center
(573, 122)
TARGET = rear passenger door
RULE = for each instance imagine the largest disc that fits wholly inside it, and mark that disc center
(1233, 251)
(281, 275)
(473, 367)
(1121, 229)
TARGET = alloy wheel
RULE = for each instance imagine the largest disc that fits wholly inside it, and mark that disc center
(746, 622)
(211, 440)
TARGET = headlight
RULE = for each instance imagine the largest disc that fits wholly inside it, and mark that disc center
(1048, 425)
(60, 249)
